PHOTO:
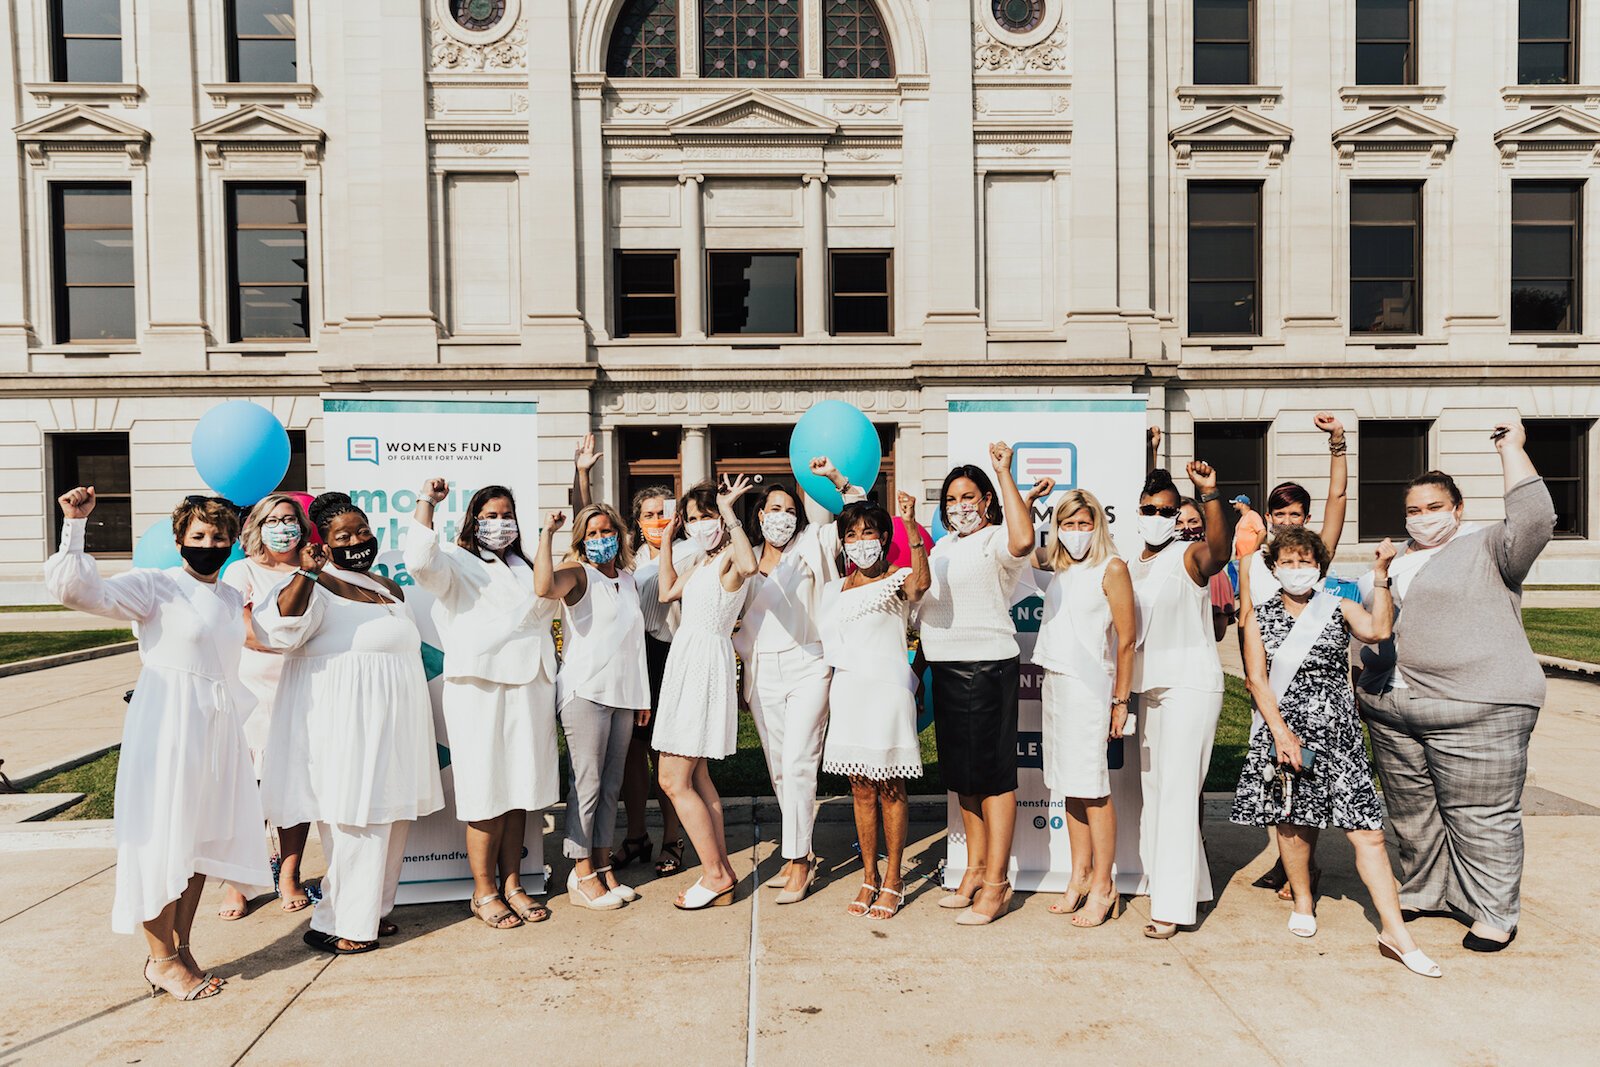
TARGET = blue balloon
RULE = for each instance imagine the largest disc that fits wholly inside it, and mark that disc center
(241, 451)
(936, 527)
(845, 435)
(157, 548)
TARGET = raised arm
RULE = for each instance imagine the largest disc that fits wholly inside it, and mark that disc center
(669, 583)
(584, 457)
(1211, 555)
(826, 533)
(917, 583)
(295, 595)
(423, 560)
(741, 553)
(1152, 451)
(1530, 513)
(1338, 479)
(1019, 517)
(566, 582)
(1378, 624)
(1255, 668)
(1117, 584)
(72, 578)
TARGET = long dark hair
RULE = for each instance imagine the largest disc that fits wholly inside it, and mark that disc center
(976, 475)
(467, 536)
(863, 511)
(753, 527)
(649, 492)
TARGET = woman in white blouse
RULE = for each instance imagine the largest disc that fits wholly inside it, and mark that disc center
(186, 802)
(970, 643)
(499, 688)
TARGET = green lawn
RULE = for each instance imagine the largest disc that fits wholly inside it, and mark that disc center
(97, 780)
(28, 609)
(14, 647)
(1570, 633)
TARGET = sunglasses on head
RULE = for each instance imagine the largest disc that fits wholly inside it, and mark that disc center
(1166, 511)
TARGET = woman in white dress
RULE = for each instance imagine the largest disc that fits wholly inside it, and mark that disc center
(499, 688)
(186, 800)
(699, 712)
(352, 745)
(872, 732)
(602, 691)
(1085, 645)
(1178, 677)
(271, 538)
(785, 675)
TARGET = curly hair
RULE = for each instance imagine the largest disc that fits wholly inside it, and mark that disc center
(329, 506)
(649, 492)
(1302, 538)
(1158, 481)
(213, 511)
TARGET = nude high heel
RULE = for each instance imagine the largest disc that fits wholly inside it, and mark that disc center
(957, 899)
(1112, 905)
(976, 918)
(206, 987)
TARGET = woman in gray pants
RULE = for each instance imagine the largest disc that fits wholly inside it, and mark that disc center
(1452, 699)
(602, 689)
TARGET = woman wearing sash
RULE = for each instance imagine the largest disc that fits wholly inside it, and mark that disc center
(1085, 645)
(785, 675)
(872, 732)
(499, 688)
(351, 746)
(1178, 677)
(602, 691)
(1308, 770)
(1451, 701)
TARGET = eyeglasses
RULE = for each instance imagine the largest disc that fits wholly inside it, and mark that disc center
(1166, 512)
(281, 520)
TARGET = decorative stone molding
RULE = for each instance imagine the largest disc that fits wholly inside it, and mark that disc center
(991, 53)
(645, 107)
(753, 109)
(46, 94)
(863, 108)
(1265, 97)
(1395, 130)
(1427, 97)
(1585, 96)
(453, 47)
(81, 129)
(1554, 130)
(777, 398)
(256, 130)
(1233, 131)
(226, 94)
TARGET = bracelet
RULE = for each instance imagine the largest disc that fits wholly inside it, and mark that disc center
(1382, 585)
(303, 573)
(1115, 701)
(1338, 448)
(914, 545)
(1206, 498)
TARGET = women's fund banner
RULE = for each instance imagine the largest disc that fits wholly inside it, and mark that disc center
(1083, 442)
(380, 449)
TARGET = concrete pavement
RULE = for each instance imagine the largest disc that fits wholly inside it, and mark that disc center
(63, 713)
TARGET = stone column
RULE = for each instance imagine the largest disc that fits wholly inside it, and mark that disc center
(1094, 324)
(552, 328)
(696, 453)
(1313, 209)
(954, 326)
(592, 194)
(814, 258)
(13, 246)
(691, 261)
(1466, 202)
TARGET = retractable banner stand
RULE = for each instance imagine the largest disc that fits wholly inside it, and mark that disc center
(1083, 442)
(380, 449)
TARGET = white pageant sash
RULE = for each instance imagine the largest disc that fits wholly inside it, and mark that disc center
(1291, 655)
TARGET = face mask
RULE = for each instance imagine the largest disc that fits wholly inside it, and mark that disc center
(495, 534)
(778, 527)
(281, 538)
(1192, 533)
(1077, 542)
(358, 557)
(964, 518)
(652, 530)
(1298, 581)
(1157, 529)
(203, 560)
(1433, 527)
(705, 533)
(602, 549)
(865, 553)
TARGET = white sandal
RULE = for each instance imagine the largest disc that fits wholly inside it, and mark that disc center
(698, 896)
(1416, 961)
(854, 904)
(626, 892)
(607, 901)
(888, 911)
(1302, 925)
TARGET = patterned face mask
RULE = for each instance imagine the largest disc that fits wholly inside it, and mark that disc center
(602, 549)
(281, 538)
(705, 533)
(495, 534)
(964, 518)
(865, 553)
(778, 527)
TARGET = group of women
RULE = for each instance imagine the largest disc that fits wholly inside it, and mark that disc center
(305, 660)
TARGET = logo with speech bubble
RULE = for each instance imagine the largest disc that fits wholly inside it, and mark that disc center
(361, 450)
(1033, 461)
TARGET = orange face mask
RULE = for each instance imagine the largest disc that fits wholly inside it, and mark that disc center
(652, 530)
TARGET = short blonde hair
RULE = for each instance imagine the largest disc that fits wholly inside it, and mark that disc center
(1101, 547)
(213, 511)
(250, 535)
(580, 526)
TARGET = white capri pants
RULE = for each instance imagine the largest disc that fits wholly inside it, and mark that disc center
(1179, 727)
(1076, 725)
(363, 876)
(790, 706)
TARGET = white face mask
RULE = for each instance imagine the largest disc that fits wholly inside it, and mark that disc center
(495, 534)
(1298, 581)
(705, 533)
(865, 553)
(1157, 529)
(778, 527)
(1433, 527)
(1077, 542)
(964, 518)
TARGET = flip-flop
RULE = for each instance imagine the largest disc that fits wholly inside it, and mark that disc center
(328, 943)
(387, 928)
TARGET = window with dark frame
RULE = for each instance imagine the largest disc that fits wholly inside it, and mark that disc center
(1547, 42)
(1224, 258)
(100, 460)
(93, 262)
(860, 285)
(1546, 250)
(1385, 257)
(647, 294)
(1559, 449)
(295, 479)
(750, 38)
(267, 262)
(1224, 32)
(261, 45)
(1238, 451)
(86, 40)
(644, 43)
(754, 293)
(854, 42)
(1391, 453)
(1386, 42)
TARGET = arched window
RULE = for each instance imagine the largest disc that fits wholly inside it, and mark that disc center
(853, 41)
(644, 43)
(750, 38)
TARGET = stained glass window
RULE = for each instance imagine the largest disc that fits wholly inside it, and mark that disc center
(644, 43)
(1019, 16)
(750, 38)
(478, 15)
(853, 40)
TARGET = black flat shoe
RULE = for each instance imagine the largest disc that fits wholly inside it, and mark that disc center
(330, 944)
(1472, 942)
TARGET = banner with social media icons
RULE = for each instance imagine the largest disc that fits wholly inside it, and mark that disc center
(380, 449)
(1093, 442)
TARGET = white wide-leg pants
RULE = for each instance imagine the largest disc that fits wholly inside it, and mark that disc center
(790, 707)
(363, 876)
(1179, 727)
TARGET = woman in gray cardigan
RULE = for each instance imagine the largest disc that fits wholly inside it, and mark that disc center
(1452, 699)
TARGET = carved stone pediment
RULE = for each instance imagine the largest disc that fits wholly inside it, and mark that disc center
(1555, 129)
(81, 129)
(257, 129)
(1395, 129)
(753, 111)
(1234, 130)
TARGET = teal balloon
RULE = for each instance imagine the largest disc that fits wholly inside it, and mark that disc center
(156, 547)
(844, 434)
(936, 527)
(241, 451)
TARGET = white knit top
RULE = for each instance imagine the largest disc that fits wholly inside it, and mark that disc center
(965, 615)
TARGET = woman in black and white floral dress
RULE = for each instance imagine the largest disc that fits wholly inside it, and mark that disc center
(1307, 769)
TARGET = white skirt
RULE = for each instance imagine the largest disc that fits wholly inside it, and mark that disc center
(872, 729)
(502, 744)
(1075, 728)
(698, 710)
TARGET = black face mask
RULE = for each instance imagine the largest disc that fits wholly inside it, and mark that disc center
(204, 560)
(1192, 535)
(357, 557)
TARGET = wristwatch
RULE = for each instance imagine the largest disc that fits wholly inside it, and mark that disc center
(1382, 585)
(1206, 498)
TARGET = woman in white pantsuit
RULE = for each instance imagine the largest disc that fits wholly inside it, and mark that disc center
(186, 802)
(499, 689)
(1178, 677)
(785, 675)
(352, 745)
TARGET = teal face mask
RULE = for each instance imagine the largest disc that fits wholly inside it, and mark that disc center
(601, 549)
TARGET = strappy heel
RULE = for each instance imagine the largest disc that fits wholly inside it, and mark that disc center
(206, 987)
(671, 861)
(888, 911)
(1111, 904)
(974, 917)
(494, 922)
(1083, 896)
(850, 909)
(1416, 961)
(209, 975)
(626, 892)
(698, 896)
(632, 850)
(958, 899)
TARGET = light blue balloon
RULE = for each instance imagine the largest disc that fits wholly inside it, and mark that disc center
(936, 527)
(156, 547)
(844, 434)
(241, 451)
